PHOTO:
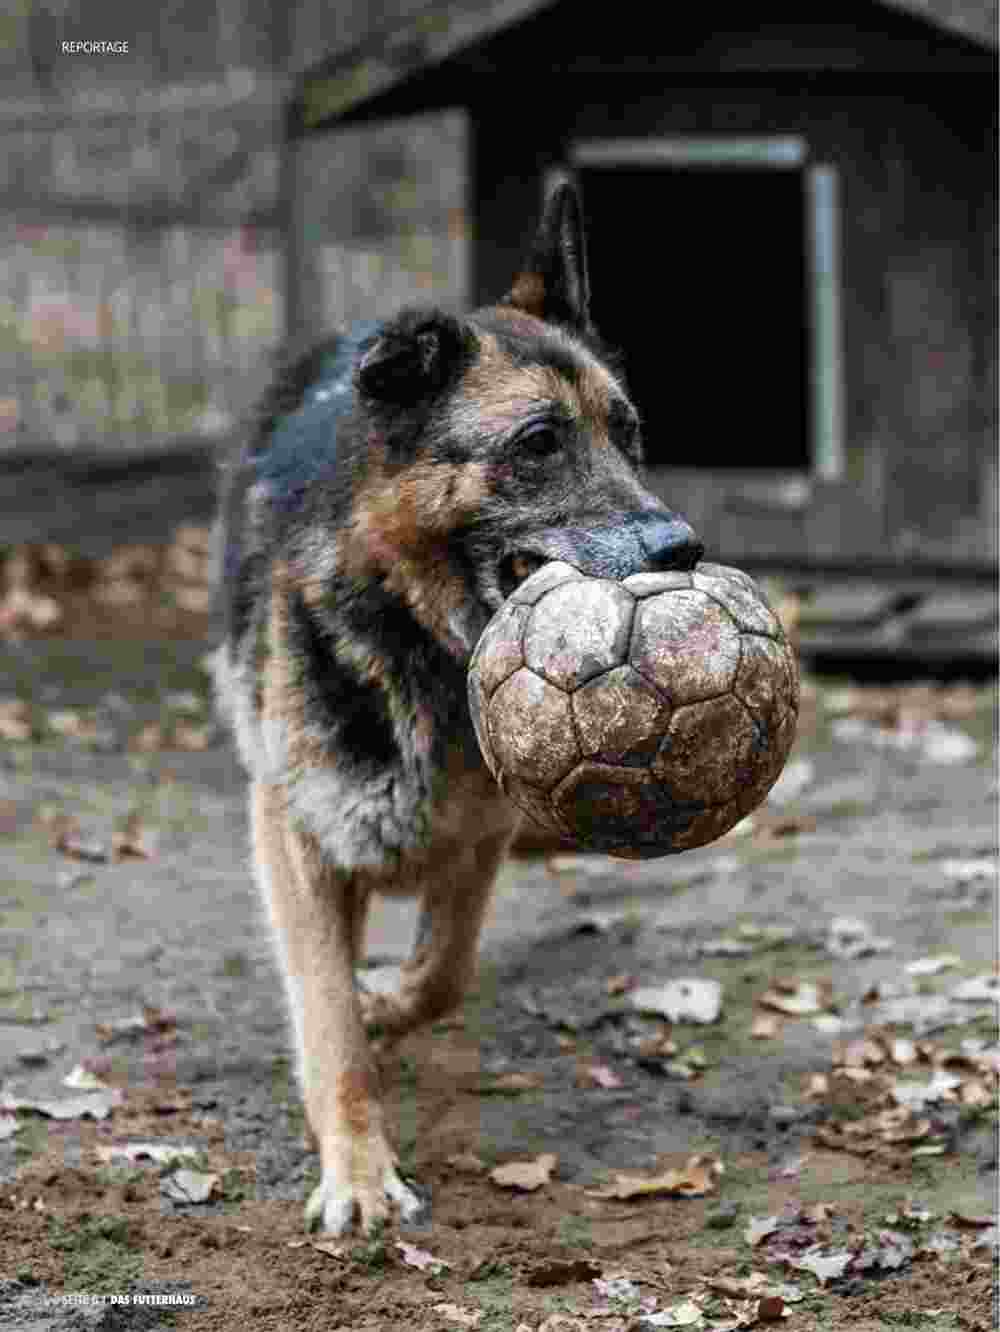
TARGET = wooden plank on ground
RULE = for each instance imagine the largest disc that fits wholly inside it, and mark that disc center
(849, 605)
(949, 612)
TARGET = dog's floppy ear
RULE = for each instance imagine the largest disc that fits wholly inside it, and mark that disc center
(553, 285)
(415, 356)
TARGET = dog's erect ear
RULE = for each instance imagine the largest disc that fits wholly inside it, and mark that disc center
(415, 356)
(553, 285)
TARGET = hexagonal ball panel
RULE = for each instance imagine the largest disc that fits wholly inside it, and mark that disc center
(776, 745)
(478, 708)
(686, 644)
(709, 751)
(767, 678)
(624, 811)
(648, 584)
(498, 652)
(620, 718)
(544, 580)
(536, 804)
(708, 825)
(577, 630)
(741, 597)
(530, 729)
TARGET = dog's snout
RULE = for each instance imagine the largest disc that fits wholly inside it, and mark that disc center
(670, 544)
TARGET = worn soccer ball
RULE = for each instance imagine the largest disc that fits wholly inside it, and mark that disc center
(641, 717)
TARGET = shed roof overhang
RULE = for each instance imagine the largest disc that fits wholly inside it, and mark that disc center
(439, 56)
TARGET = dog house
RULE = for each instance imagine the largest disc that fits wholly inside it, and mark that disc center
(793, 227)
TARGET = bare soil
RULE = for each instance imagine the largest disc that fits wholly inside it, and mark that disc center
(159, 927)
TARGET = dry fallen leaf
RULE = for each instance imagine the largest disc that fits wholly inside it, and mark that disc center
(82, 1079)
(420, 1258)
(969, 1221)
(824, 1267)
(685, 1314)
(619, 984)
(510, 1084)
(902, 1050)
(467, 1163)
(816, 1086)
(696, 1179)
(978, 989)
(598, 1075)
(329, 1248)
(190, 1186)
(688, 999)
(15, 720)
(192, 739)
(88, 1105)
(192, 598)
(132, 840)
(797, 998)
(759, 1227)
(765, 1026)
(930, 966)
(148, 740)
(526, 1175)
(452, 1313)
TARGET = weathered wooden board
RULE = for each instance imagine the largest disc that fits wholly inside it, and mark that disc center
(952, 612)
(849, 604)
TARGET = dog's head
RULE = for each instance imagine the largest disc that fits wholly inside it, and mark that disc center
(497, 442)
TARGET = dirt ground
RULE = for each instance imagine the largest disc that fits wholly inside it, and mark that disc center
(821, 1153)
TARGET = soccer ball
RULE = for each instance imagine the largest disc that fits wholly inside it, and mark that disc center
(641, 717)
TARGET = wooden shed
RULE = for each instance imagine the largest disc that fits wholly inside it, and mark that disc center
(793, 229)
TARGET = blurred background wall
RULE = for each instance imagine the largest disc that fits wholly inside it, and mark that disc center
(140, 214)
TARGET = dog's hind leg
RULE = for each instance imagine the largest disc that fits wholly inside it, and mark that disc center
(317, 915)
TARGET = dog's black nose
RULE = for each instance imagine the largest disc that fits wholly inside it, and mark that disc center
(670, 543)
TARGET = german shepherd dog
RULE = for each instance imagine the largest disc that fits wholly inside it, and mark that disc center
(399, 483)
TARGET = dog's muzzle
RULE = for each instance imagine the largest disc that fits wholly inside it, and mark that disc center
(641, 542)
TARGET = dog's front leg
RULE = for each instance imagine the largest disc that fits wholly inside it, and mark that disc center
(318, 914)
(434, 979)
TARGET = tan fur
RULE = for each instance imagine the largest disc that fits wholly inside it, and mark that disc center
(318, 913)
(350, 721)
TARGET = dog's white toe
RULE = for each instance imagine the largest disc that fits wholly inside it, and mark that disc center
(334, 1207)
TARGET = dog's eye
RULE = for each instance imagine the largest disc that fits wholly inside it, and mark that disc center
(539, 440)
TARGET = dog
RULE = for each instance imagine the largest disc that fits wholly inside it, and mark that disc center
(397, 484)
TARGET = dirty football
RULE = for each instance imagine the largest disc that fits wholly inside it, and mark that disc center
(641, 717)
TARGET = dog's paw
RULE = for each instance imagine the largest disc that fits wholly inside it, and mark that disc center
(382, 1016)
(337, 1203)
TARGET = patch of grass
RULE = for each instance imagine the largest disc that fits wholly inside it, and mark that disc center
(282, 1080)
(32, 1138)
(408, 1073)
(234, 1186)
(120, 1177)
(201, 1033)
(373, 1251)
(101, 1254)
(916, 1318)
(495, 1297)
(189, 1161)
(235, 965)
(575, 1231)
(489, 1269)
(847, 809)
(966, 916)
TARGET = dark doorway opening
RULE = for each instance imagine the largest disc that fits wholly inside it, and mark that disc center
(699, 277)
